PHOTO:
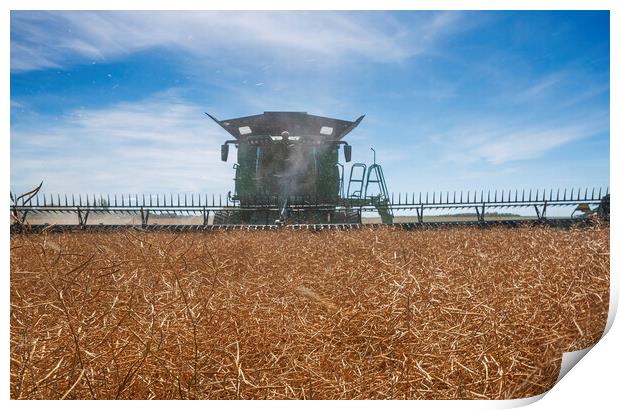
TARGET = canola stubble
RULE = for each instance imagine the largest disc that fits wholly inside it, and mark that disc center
(374, 313)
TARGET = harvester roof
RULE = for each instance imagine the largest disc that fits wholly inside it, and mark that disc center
(274, 123)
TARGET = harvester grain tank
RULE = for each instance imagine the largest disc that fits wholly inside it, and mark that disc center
(288, 171)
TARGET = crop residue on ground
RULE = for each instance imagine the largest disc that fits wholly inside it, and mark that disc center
(384, 313)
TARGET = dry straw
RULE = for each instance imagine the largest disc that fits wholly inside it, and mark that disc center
(384, 314)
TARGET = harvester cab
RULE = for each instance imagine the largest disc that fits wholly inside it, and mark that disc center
(287, 171)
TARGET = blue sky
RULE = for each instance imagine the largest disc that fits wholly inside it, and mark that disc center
(111, 102)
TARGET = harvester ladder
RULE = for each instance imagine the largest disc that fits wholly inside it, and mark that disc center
(358, 192)
(382, 201)
(378, 179)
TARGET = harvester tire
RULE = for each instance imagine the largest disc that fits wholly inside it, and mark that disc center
(227, 218)
(603, 208)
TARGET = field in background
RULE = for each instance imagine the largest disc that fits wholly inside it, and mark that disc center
(449, 218)
(125, 219)
(372, 313)
(113, 219)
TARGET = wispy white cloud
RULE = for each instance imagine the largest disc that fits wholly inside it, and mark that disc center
(562, 88)
(540, 88)
(497, 143)
(162, 143)
(54, 39)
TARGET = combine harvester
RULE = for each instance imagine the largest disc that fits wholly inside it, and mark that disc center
(288, 174)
